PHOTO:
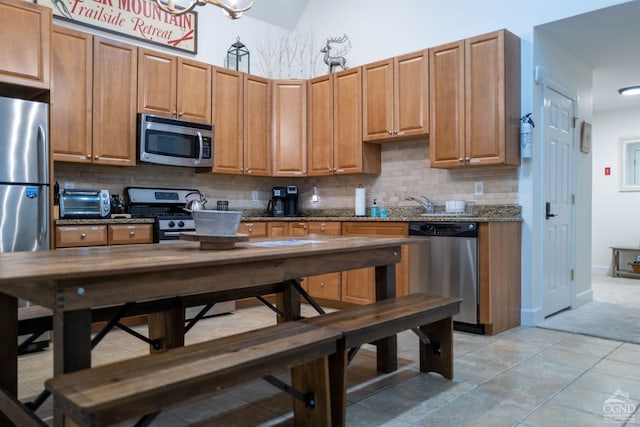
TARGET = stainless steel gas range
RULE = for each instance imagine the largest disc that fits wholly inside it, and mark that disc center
(167, 206)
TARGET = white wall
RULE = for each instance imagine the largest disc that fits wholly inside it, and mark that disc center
(615, 213)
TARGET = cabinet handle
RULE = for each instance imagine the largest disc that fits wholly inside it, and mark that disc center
(89, 156)
(180, 114)
(322, 228)
(132, 233)
(322, 284)
(174, 112)
(390, 132)
(83, 235)
(467, 159)
(461, 160)
(247, 171)
(96, 157)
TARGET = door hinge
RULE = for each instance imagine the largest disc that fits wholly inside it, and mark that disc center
(573, 199)
(575, 122)
(571, 276)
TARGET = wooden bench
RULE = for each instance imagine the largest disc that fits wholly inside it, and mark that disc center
(429, 316)
(145, 385)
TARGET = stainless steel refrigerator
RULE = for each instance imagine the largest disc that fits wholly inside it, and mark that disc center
(24, 175)
(24, 187)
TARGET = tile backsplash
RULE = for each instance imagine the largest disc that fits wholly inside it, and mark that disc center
(405, 171)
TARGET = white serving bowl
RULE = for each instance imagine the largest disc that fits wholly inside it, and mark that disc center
(216, 223)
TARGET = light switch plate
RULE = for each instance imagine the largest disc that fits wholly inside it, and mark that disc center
(254, 196)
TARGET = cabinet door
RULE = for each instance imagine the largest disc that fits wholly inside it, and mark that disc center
(194, 90)
(227, 119)
(491, 134)
(298, 229)
(320, 126)
(277, 229)
(257, 126)
(358, 286)
(157, 76)
(289, 128)
(125, 234)
(81, 235)
(71, 95)
(377, 100)
(446, 105)
(350, 154)
(411, 94)
(114, 102)
(325, 228)
(25, 32)
(327, 286)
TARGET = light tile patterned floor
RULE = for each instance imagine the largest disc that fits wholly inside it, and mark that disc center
(523, 377)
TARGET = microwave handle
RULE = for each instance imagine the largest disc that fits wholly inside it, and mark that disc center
(201, 146)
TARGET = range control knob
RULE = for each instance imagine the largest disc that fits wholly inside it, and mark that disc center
(171, 224)
(181, 223)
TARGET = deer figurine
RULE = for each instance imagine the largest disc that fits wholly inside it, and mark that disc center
(338, 60)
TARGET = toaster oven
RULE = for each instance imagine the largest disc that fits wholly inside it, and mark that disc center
(76, 203)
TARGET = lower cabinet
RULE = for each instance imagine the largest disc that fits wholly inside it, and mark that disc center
(358, 286)
(253, 229)
(68, 236)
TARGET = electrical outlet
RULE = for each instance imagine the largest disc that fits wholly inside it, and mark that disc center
(479, 188)
(254, 196)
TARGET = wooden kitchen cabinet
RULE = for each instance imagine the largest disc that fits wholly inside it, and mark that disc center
(358, 286)
(475, 101)
(173, 86)
(289, 128)
(93, 107)
(396, 97)
(500, 281)
(325, 286)
(277, 229)
(242, 116)
(253, 229)
(25, 57)
(320, 143)
(71, 131)
(126, 234)
(81, 235)
(114, 102)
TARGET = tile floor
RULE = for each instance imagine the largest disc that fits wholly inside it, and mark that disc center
(522, 377)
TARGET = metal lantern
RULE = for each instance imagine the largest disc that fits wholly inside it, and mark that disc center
(238, 57)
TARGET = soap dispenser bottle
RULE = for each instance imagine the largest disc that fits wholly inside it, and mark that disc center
(374, 208)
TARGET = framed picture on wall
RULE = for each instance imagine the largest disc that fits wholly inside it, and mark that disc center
(585, 137)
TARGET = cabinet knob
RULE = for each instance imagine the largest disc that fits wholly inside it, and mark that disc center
(174, 112)
(83, 235)
(247, 171)
(322, 284)
(132, 233)
(180, 114)
(461, 160)
(467, 159)
(390, 132)
(89, 156)
(96, 157)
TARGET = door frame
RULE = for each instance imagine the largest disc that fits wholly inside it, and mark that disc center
(545, 81)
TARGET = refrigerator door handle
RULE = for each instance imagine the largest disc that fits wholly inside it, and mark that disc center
(43, 155)
(42, 216)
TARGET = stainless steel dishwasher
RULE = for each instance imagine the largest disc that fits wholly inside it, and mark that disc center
(446, 263)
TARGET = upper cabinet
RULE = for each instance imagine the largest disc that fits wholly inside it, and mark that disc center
(173, 86)
(289, 128)
(475, 101)
(71, 95)
(93, 99)
(242, 119)
(396, 98)
(114, 102)
(25, 56)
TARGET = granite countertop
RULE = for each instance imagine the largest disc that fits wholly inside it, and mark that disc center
(479, 213)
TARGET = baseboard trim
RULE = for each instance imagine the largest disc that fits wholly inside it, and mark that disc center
(531, 317)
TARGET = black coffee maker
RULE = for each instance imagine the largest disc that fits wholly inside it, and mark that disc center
(276, 206)
(291, 205)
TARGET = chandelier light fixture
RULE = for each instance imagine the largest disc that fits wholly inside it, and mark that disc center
(229, 9)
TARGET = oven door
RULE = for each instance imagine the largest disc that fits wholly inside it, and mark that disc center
(175, 142)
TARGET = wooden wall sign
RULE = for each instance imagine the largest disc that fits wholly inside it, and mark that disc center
(138, 19)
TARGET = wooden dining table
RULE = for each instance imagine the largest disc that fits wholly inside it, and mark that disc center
(73, 282)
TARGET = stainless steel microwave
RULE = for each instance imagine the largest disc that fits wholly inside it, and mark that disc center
(174, 142)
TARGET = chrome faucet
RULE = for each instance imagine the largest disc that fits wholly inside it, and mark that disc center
(426, 203)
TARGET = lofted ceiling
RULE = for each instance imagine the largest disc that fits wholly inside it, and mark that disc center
(608, 40)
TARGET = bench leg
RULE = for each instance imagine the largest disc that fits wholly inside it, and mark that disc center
(338, 384)
(312, 376)
(441, 333)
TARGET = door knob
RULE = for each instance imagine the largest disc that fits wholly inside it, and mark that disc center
(547, 211)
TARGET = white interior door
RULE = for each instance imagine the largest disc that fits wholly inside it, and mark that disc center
(559, 160)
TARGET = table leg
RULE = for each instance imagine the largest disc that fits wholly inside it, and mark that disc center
(168, 327)
(288, 302)
(8, 348)
(387, 348)
(71, 346)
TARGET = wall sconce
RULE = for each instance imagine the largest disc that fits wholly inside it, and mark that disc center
(238, 57)
(230, 9)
